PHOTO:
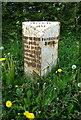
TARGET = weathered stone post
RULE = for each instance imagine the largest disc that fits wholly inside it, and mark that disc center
(40, 41)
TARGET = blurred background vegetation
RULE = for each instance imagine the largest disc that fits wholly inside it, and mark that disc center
(15, 13)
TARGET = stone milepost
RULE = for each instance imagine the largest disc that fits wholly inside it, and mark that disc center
(40, 43)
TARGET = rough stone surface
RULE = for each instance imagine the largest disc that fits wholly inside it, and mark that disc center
(40, 42)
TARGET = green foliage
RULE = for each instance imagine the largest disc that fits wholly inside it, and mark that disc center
(53, 101)
(70, 107)
(8, 71)
(55, 96)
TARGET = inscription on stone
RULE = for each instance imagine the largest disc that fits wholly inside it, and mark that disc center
(32, 52)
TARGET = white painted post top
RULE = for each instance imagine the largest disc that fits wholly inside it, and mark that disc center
(43, 29)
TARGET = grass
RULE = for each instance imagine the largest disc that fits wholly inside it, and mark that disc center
(55, 96)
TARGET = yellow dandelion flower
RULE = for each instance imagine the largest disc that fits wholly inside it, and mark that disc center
(18, 113)
(2, 59)
(16, 85)
(31, 116)
(26, 113)
(8, 103)
(59, 70)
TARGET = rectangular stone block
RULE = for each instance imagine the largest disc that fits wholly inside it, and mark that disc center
(40, 42)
